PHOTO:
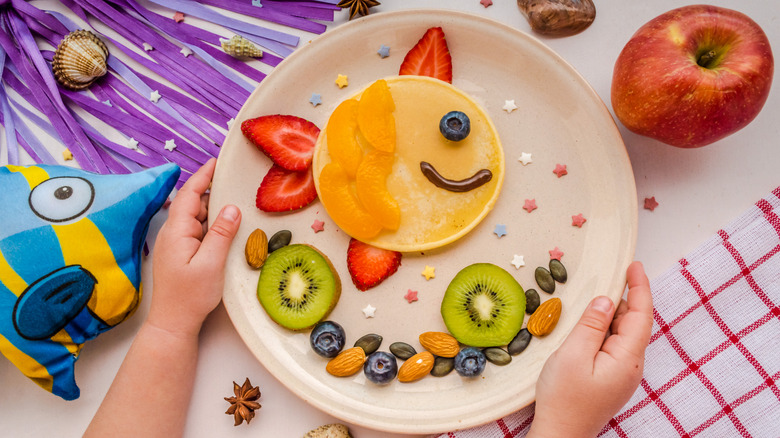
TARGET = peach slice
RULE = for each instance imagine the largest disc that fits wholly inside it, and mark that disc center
(371, 188)
(343, 205)
(375, 116)
(342, 137)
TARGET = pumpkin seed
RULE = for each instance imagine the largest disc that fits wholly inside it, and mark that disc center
(278, 240)
(442, 366)
(544, 279)
(558, 271)
(369, 343)
(532, 301)
(402, 350)
(497, 355)
(519, 343)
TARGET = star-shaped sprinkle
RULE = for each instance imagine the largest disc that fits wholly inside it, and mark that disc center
(560, 170)
(369, 310)
(384, 51)
(318, 226)
(230, 122)
(486, 3)
(578, 220)
(411, 296)
(556, 253)
(107, 103)
(500, 230)
(530, 205)
(650, 203)
(185, 51)
(509, 106)
(315, 99)
(132, 143)
(257, 3)
(178, 17)
(170, 145)
(67, 155)
(155, 96)
(525, 158)
(429, 272)
(342, 81)
(148, 47)
(518, 261)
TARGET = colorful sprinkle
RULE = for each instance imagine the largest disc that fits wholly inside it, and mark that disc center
(258, 3)
(384, 51)
(178, 17)
(170, 145)
(318, 226)
(486, 3)
(560, 170)
(107, 103)
(530, 205)
(148, 47)
(411, 296)
(342, 81)
(518, 261)
(578, 220)
(315, 99)
(155, 96)
(132, 143)
(509, 106)
(369, 310)
(230, 122)
(650, 203)
(185, 51)
(500, 230)
(525, 158)
(556, 253)
(67, 155)
(429, 272)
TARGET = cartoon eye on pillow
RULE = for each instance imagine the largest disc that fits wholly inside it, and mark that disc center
(397, 168)
(70, 255)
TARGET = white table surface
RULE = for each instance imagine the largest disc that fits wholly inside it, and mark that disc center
(698, 192)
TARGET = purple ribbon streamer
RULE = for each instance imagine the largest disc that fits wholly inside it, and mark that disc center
(270, 15)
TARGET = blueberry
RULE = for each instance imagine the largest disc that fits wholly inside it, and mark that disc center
(455, 126)
(381, 367)
(327, 338)
(470, 362)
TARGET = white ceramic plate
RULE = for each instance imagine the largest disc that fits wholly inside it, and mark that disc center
(560, 119)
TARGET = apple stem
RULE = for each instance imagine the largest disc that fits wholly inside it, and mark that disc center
(707, 58)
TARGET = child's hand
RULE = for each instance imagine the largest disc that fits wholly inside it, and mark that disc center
(189, 262)
(588, 379)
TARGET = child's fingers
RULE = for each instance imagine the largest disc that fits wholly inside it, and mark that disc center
(186, 203)
(219, 236)
(633, 328)
(588, 335)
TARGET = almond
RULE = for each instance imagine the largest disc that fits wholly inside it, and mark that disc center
(256, 249)
(543, 321)
(440, 344)
(416, 367)
(347, 363)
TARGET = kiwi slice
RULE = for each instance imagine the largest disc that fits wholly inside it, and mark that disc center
(483, 306)
(298, 286)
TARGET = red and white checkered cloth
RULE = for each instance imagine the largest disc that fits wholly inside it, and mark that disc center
(712, 368)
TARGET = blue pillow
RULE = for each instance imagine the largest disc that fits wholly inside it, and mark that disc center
(70, 256)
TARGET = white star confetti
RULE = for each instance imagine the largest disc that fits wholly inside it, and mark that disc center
(525, 158)
(518, 261)
(509, 106)
(132, 144)
(170, 145)
(230, 122)
(155, 96)
(148, 47)
(185, 51)
(369, 311)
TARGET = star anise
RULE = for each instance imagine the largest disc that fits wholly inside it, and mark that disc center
(358, 6)
(243, 405)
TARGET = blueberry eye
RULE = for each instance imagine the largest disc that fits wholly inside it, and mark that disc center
(455, 126)
(62, 199)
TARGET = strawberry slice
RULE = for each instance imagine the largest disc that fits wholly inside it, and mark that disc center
(287, 140)
(369, 265)
(429, 57)
(285, 190)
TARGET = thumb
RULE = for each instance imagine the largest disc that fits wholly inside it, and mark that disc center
(588, 335)
(220, 234)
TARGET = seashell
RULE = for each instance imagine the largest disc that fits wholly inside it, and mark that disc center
(80, 60)
(558, 17)
(239, 46)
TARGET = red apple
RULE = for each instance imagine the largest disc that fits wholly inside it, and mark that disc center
(692, 76)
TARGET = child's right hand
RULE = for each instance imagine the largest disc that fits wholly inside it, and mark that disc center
(589, 378)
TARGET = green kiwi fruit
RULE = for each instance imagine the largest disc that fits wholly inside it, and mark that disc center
(298, 286)
(483, 306)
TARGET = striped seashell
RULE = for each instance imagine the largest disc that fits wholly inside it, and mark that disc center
(239, 46)
(80, 59)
